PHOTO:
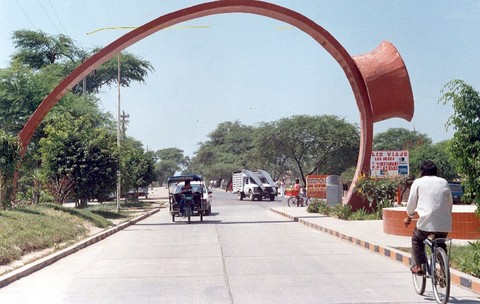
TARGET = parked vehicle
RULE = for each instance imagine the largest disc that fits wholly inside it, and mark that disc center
(457, 192)
(199, 204)
(254, 185)
(142, 191)
(131, 194)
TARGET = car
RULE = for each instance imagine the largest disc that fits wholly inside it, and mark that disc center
(457, 192)
(198, 187)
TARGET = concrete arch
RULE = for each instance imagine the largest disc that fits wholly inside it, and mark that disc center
(369, 75)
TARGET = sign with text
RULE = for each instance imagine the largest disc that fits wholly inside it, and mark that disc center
(317, 186)
(389, 163)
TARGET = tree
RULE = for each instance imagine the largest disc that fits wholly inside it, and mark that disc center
(171, 161)
(38, 50)
(439, 155)
(309, 144)
(83, 153)
(39, 63)
(9, 156)
(399, 139)
(465, 144)
(137, 166)
(229, 148)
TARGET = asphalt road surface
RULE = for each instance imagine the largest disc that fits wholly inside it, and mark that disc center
(242, 253)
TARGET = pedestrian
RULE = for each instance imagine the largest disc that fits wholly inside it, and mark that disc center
(431, 197)
(282, 187)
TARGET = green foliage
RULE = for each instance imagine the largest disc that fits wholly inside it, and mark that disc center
(39, 51)
(82, 152)
(137, 166)
(341, 211)
(347, 176)
(467, 258)
(132, 69)
(465, 146)
(9, 156)
(315, 206)
(171, 161)
(229, 148)
(364, 215)
(85, 214)
(439, 154)
(24, 230)
(308, 144)
(21, 91)
(399, 139)
(379, 192)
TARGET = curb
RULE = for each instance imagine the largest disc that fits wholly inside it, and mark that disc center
(458, 278)
(48, 260)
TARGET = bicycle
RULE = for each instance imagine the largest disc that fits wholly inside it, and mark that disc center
(188, 208)
(297, 201)
(437, 269)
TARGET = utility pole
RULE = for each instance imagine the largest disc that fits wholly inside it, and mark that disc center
(119, 174)
(124, 121)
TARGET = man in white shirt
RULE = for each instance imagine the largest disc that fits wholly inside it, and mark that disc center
(431, 197)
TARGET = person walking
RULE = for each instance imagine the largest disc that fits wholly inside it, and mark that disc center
(282, 187)
(431, 197)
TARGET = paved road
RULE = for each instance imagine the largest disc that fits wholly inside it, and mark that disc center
(243, 253)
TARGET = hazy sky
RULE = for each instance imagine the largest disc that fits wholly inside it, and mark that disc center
(255, 69)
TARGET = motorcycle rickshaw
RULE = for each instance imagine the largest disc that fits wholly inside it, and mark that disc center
(196, 203)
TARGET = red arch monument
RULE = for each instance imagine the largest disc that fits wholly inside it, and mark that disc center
(379, 79)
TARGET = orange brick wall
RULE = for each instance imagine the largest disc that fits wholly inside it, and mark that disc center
(466, 225)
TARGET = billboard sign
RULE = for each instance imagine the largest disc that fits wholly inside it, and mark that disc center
(317, 186)
(389, 163)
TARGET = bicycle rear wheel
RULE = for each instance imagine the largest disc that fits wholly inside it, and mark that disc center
(188, 213)
(441, 276)
(292, 201)
(308, 201)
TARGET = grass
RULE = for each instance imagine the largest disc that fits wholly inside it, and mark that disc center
(464, 258)
(35, 228)
(28, 229)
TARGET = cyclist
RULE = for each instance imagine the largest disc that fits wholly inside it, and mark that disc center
(430, 196)
(186, 191)
(297, 188)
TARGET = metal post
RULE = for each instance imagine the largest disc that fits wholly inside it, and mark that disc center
(119, 174)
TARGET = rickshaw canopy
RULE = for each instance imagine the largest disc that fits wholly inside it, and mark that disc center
(182, 178)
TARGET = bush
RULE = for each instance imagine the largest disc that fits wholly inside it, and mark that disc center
(363, 215)
(379, 192)
(467, 258)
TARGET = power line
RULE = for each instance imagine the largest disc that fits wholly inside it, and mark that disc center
(26, 15)
(56, 15)
(48, 16)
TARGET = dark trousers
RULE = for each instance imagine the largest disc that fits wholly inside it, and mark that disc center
(418, 247)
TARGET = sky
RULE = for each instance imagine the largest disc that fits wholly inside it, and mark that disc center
(255, 69)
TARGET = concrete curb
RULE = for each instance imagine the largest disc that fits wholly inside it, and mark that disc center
(458, 278)
(48, 260)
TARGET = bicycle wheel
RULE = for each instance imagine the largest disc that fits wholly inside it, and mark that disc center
(441, 276)
(308, 201)
(188, 212)
(419, 281)
(292, 201)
